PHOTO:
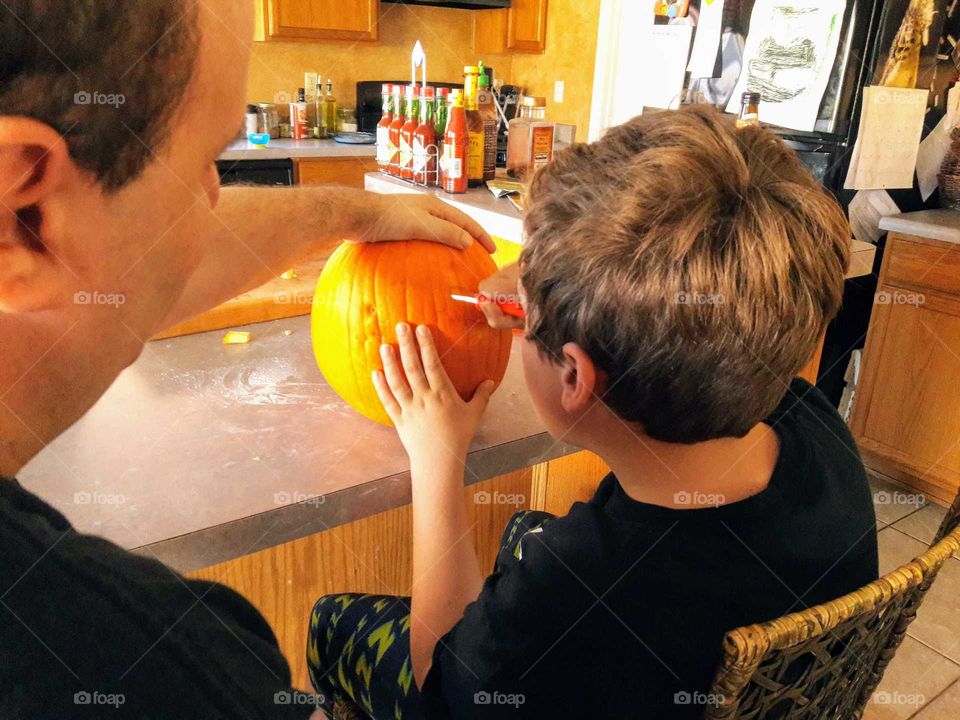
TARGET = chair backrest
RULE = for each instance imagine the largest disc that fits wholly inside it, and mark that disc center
(825, 662)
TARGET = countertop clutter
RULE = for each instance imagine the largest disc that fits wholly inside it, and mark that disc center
(201, 453)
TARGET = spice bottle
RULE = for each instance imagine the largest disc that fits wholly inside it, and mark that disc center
(530, 139)
(399, 111)
(749, 110)
(491, 123)
(329, 106)
(383, 129)
(299, 124)
(474, 126)
(425, 143)
(453, 164)
(441, 113)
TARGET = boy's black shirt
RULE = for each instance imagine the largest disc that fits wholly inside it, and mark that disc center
(618, 609)
(88, 630)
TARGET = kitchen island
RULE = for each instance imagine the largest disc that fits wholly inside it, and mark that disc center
(240, 464)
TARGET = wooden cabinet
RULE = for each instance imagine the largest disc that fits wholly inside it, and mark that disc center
(345, 171)
(906, 416)
(522, 28)
(372, 555)
(316, 19)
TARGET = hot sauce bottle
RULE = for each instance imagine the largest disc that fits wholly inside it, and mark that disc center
(441, 112)
(383, 130)
(475, 128)
(453, 164)
(407, 130)
(425, 143)
(393, 133)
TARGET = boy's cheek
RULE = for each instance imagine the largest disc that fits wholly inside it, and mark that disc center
(543, 385)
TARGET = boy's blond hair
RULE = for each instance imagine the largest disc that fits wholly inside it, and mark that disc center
(697, 264)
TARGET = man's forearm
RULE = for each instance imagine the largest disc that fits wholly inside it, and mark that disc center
(256, 233)
(446, 572)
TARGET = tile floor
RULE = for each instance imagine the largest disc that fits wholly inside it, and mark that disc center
(923, 681)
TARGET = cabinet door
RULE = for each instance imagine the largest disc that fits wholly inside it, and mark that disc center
(906, 418)
(490, 31)
(347, 172)
(522, 28)
(319, 19)
(527, 26)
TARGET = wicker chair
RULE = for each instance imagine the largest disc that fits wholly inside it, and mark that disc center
(825, 662)
(950, 521)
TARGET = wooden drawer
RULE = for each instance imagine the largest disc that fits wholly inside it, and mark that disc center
(347, 172)
(930, 265)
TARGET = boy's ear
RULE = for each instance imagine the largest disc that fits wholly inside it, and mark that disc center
(33, 159)
(582, 382)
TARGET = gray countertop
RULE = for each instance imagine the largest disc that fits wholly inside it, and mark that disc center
(284, 148)
(940, 224)
(498, 216)
(201, 453)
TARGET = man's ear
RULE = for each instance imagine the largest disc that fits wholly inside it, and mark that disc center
(582, 382)
(33, 160)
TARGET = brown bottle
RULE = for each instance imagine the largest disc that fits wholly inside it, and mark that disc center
(475, 130)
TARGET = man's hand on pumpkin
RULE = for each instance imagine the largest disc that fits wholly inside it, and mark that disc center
(415, 217)
(428, 412)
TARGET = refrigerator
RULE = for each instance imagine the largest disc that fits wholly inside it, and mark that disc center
(867, 30)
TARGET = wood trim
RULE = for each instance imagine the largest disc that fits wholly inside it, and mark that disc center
(538, 486)
(892, 464)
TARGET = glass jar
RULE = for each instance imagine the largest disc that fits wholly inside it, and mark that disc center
(529, 139)
(346, 120)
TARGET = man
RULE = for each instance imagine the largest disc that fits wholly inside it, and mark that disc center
(111, 117)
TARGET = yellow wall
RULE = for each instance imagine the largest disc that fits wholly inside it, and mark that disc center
(446, 34)
(571, 49)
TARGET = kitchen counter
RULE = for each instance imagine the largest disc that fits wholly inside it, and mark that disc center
(285, 148)
(498, 216)
(942, 224)
(201, 453)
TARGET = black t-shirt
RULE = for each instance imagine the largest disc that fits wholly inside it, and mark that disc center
(88, 630)
(618, 609)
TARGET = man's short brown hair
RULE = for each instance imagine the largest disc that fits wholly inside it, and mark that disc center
(108, 76)
(697, 264)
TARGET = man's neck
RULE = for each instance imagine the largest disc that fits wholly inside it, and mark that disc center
(55, 367)
(706, 474)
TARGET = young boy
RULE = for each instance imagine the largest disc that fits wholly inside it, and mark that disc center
(677, 275)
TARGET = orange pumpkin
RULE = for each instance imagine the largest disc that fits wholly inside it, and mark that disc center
(365, 289)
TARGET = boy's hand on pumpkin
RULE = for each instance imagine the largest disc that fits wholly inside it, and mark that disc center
(505, 284)
(417, 217)
(428, 412)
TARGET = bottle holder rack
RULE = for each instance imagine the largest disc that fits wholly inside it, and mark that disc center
(431, 177)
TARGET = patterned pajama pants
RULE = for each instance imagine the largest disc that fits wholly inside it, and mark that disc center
(358, 648)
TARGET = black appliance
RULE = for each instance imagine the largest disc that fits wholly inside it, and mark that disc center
(825, 150)
(256, 172)
(370, 100)
(462, 4)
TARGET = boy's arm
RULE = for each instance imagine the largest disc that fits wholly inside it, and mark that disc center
(436, 427)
